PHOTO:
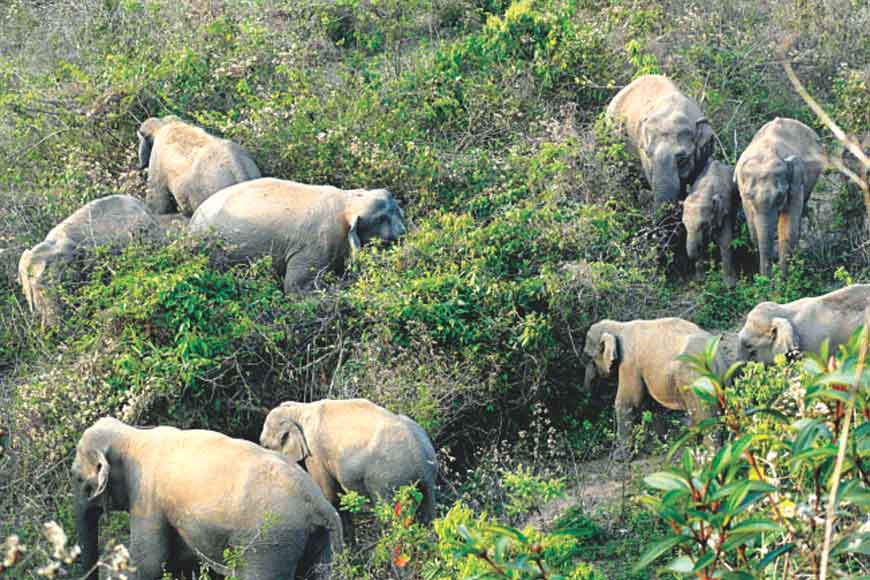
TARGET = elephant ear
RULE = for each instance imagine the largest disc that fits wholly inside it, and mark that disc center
(294, 445)
(102, 474)
(703, 141)
(609, 350)
(796, 178)
(353, 235)
(145, 144)
(785, 339)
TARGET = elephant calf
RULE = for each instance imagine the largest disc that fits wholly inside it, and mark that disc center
(803, 325)
(306, 229)
(112, 220)
(775, 175)
(193, 494)
(644, 352)
(709, 212)
(186, 165)
(355, 445)
(671, 135)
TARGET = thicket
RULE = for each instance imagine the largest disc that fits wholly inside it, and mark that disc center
(529, 221)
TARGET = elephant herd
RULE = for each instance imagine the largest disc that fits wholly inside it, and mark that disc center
(773, 177)
(192, 494)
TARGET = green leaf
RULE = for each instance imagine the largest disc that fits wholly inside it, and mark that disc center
(755, 526)
(666, 481)
(506, 531)
(773, 555)
(705, 560)
(657, 550)
(857, 543)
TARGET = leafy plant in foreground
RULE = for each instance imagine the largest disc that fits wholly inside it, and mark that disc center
(756, 507)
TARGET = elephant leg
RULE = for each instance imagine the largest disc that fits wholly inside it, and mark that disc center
(724, 243)
(150, 546)
(278, 556)
(629, 396)
(159, 199)
(302, 269)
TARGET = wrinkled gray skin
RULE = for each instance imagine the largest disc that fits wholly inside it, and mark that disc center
(708, 215)
(643, 354)
(112, 220)
(775, 175)
(355, 445)
(186, 165)
(668, 131)
(802, 325)
(307, 229)
(193, 494)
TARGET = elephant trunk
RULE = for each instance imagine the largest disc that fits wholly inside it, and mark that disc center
(591, 374)
(694, 244)
(765, 232)
(666, 179)
(87, 532)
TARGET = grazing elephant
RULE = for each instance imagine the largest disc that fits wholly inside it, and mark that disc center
(709, 213)
(775, 175)
(112, 220)
(355, 445)
(186, 165)
(644, 353)
(671, 135)
(193, 494)
(803, 325)
(306, 229)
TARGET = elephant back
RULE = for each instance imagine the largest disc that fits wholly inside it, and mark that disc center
(109, 220)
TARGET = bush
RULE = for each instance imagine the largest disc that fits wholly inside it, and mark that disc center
(757, 505)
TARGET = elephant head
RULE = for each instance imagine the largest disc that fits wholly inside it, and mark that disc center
(40, 270)
(99, 485)
(603, 349)
(283, 432)
(673, 148)
(706, 207)
(373, 214)
(767, 333)
(773, 192)
(146, 132)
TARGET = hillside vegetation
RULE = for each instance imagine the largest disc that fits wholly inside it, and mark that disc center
(528, 221)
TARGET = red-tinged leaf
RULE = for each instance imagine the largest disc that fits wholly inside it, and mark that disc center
(401, 560)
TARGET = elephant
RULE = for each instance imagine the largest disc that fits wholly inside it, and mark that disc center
(709, 212)
(112, 220)
(306, 229)
(775, 175)
(644, 352)
(191, 494)
(186, 165)
(355, 445)
(670, 133)
(802, 325)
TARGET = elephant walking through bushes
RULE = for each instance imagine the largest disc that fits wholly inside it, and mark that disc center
(643, 354)
(193, 494)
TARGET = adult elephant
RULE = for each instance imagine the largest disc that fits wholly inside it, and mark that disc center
(803, 325)
(671, 135)
(355, 445)
(113, 220)
(186, 165)
(643, 353)
(306, 229)
(775, 175)
(193, 494)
